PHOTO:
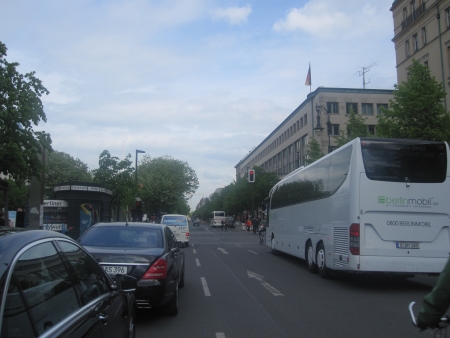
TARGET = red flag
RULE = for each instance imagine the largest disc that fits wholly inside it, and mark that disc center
(308, 77)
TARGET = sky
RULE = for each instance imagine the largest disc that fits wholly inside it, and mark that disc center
(202, 81)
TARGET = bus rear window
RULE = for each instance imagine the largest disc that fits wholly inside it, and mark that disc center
(404, 161)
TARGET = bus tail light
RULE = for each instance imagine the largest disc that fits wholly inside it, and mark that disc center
(354, 239)
(158, 270)
(187, 234)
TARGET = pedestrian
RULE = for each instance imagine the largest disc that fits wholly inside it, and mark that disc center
(255, 224)
(222, 224)
(248, 224)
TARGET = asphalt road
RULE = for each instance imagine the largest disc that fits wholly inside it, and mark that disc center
(235, 287)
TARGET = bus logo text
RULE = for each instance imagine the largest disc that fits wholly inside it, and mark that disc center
(403, 201)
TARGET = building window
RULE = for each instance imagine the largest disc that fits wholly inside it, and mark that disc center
(407, 48)
(351, 106)
(415, 43)
(448, 57)
(405, 13)
(379, 108)
(447, 17)
(413, 6)
(335, 129)
(424, 36)
(371, 129)
(305, 119)
(367, 108)
(333, 107)
(301, 122)
(426, 63)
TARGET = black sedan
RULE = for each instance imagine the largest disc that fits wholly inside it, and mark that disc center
(52, 287)
(147, 251)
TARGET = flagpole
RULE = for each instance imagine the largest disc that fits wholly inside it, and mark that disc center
(310, 78)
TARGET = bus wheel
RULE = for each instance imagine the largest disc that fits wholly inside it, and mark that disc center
(312, 267)
(324, 272)
(272, 245)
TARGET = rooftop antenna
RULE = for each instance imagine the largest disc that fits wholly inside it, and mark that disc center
(363, 73)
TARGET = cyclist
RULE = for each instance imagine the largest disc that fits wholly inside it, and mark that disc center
(436, 303)
(262, 232)
(223, 225)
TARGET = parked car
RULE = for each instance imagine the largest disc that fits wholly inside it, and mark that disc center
(147, 251)
(52, 287)
(179, 226)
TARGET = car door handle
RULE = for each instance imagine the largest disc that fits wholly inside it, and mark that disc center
(103, 318)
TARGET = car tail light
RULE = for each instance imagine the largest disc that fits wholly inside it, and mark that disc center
(157, 271)
(354, 239)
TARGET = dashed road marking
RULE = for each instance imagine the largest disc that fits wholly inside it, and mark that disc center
(197, 262)
(220, 335)
(253, 252)
(205, 287)
(194, 251)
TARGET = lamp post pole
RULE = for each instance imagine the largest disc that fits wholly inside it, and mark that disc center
(136, 167)
(319, 128)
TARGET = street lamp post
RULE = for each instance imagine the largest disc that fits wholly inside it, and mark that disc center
(318, 129)
(136, 168)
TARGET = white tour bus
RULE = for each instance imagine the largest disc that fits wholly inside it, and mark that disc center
(373, 205)
(179, 226)
(217, 217)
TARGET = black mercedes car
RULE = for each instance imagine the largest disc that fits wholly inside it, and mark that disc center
(147, 251)
(51, 287)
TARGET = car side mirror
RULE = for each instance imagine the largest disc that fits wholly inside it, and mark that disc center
(125, 283)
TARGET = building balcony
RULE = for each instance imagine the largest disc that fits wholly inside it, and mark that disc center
(413, 16)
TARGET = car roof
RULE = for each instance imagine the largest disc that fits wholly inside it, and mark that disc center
(12, 240)
(130, 225)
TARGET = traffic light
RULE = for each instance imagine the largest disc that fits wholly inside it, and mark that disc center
(251, 175)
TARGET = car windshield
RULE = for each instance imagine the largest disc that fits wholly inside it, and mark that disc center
(123, 237)
(174, 220)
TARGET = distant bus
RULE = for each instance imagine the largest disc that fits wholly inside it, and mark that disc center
(373, 205)
(179, 226)
(217, 217)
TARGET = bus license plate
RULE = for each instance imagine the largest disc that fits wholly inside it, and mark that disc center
(407, 245)
(112, 270)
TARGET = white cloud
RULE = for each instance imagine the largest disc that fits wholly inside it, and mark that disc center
(334, 19)
(234, 15)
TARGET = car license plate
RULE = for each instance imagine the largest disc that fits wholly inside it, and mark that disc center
(113, 269)
(407, 245)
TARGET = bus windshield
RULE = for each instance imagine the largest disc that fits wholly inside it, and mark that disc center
(404, 161)
(174, 220)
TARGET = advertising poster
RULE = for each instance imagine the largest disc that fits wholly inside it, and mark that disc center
(12, 218)
(89, 215)
(55, 215)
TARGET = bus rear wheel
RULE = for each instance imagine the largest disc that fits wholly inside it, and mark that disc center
(312, 267)
(324, 272)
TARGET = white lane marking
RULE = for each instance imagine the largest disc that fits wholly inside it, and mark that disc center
(223, 251)
(205, 287)
(238, 245)
(269, 287)
(197, 262)
(253, 252)
(194, 251)
(220, 335)
(192, 245)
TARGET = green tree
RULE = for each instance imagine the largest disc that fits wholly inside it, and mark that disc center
(17, 194)
(62, 167)
(356, 127)
(166, 183)
(117, 175)
(20, 109)
(314, 151)
(416, 111)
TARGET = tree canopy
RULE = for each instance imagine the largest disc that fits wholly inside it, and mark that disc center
(356, 127)
(20, 109)
(166, 183)
(416, 111)
(62, 167)
(314, 151)
(117, 175)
